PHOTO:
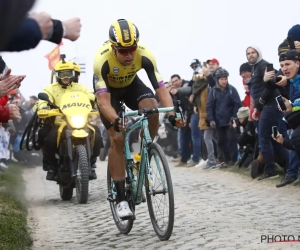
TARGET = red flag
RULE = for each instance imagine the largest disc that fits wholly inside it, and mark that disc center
(54, 56)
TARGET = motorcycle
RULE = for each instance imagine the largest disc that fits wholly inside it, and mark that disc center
(75, 141)
(106, 143)
(167, 137)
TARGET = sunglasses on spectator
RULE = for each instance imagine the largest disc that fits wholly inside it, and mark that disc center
(195, 66)
(125, 52)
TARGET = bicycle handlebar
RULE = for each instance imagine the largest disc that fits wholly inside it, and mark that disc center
(149, 111)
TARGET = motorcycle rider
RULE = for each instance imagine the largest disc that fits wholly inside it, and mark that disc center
(64, 72)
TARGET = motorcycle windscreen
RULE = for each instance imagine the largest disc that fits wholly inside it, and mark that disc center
(76, 107)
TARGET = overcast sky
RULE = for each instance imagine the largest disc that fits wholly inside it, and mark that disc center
(175, 31)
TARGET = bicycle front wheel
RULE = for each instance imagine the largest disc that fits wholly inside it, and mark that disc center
(159, 192)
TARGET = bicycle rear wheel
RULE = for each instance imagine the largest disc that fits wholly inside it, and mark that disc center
(159, 189)
(124, 226)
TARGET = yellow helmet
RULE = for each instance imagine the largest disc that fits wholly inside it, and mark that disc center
(123, 33)
(64, 69)
(76, 68)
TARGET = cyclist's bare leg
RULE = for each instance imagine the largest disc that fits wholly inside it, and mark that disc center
(154, 120)
(116, 158)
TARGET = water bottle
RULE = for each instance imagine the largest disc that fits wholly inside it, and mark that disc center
(136, 165)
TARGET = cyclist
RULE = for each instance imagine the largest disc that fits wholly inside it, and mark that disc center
(64, 72)
(115, 79)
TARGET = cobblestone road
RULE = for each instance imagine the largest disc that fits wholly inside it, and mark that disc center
(213, 210)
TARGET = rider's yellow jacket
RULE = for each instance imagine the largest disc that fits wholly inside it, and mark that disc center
(55, 92)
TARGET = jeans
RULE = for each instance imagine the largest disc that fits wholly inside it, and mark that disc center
(270, 116)
(179, 140)
(225, 141)
(208, 138)
(196, 138)
(186, 141)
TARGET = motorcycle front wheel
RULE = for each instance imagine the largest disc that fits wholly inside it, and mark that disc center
(82, 178)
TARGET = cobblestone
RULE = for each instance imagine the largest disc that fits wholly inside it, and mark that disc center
(213, 210)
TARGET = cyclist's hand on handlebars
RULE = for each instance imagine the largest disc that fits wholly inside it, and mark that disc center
(118, 124)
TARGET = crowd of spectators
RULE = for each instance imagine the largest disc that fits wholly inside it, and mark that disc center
(224, 129)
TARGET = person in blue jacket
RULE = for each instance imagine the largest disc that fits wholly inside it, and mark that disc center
(222, 105)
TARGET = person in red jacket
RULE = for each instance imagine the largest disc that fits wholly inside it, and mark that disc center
(245, 73)
(8, 82)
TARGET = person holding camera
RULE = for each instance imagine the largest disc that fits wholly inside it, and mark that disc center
(245, 131)
(289, 63)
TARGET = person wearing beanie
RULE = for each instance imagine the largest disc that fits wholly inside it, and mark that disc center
(266, 115)
(243, 113)
(294, 32)
(283, 47)
(245, 131)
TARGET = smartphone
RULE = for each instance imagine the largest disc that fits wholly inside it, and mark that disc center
(278, 79)
(280, 102)
(205, 64)
(291, 42)
(275, 131)
(270, 67)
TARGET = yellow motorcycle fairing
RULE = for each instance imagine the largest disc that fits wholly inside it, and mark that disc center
(79, 133)
(76, 107)
(45, 113)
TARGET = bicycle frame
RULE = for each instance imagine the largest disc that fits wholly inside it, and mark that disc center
(136, 188)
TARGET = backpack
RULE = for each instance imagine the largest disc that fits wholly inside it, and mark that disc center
(214, 91)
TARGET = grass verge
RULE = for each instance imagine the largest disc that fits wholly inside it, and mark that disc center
(14, 233)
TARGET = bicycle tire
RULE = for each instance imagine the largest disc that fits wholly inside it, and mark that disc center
(124, 226)
(163, 235)
(82, 184)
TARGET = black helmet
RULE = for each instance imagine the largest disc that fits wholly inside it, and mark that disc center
(221, 73)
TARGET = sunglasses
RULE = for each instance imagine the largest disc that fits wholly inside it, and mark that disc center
(125, 52)
(194, 66)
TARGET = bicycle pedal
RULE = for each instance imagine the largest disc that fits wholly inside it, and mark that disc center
(110, 199)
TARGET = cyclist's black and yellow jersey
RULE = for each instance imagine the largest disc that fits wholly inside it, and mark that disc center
(108, 72)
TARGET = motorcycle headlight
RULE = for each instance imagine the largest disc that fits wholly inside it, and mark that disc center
(77, 121)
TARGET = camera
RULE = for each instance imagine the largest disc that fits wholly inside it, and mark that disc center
(232, 119)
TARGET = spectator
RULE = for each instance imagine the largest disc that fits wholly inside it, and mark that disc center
(270, 115)
(289, 63)
(194, 117)
(245, 131)
(12, 14)
(213, 65)
(181, 90)
(245, 73)
(223, 104)
(200, 91)
(4, 150)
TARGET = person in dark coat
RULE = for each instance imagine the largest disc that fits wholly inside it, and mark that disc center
(223, 103)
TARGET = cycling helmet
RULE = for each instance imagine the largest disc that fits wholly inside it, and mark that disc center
(123, 33)
(64, 69)
(221, 73)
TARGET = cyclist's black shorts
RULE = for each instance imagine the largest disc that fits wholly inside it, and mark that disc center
(131, 95)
